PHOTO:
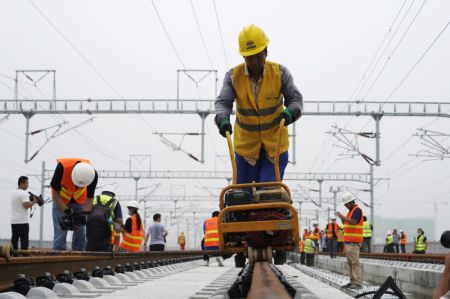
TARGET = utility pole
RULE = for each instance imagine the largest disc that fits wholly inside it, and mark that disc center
(335, 191)
(41, 219)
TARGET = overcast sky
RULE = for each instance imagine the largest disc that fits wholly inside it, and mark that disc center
(327, 46)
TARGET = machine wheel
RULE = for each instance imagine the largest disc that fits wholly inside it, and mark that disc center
(280, 257)
(239, 260)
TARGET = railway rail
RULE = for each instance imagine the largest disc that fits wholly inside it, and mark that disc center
(407, 257)
(264, 281)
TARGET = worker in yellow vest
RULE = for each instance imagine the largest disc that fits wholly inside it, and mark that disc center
(367, 236)
(403, 241)
(182, 240)
(353, 237)
(133, 230)
(310, 250)
(420, 242)
(265, 94)
(301, 249)
(389, 242)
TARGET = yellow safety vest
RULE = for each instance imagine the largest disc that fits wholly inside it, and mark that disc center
(389, 240)
(308, 248)
(420, 243)
(367, 230)
(257, 120)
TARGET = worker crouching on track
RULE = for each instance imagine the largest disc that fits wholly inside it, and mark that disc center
(258, 86)
(104, 222)
(133, 230)
(73, 188)
(353, 237)
(211, 239)
(310, 250)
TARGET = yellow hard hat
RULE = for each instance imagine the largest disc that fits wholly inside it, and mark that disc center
(252, 40)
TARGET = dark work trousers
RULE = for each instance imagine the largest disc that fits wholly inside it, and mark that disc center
(332, 245)
(157, 247)
(366, 244)
(396, 248)
(310, 259)
(102, 244)
(20, 231)
(390, 248)
(302, 258)
(403, 248)
(340, 246)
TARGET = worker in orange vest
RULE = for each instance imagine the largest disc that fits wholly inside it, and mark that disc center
(353, 237)
(182, 241)
(133, 230)
(316, 235)
(332, 237)
(211, 239)
(301, 246)
(73, 189)
(306, 233)
(403, 241)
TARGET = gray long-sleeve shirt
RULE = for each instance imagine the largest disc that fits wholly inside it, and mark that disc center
(293, 99)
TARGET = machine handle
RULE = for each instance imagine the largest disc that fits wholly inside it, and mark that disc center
(232, 158)
(277, 152)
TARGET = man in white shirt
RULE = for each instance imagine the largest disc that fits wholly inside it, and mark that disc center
(20, 203)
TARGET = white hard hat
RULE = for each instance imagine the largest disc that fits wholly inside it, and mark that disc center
(83, 174)
(133, 204)
(347, 197)
(109, 188)
(389, 232)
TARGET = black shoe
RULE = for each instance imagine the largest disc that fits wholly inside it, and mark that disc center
(346, 286)
(355, 286)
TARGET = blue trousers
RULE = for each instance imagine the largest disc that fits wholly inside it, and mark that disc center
(263, 171)
(60, 236)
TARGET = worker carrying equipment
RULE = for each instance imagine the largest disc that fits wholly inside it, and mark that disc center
(73, 188)
(104, 221)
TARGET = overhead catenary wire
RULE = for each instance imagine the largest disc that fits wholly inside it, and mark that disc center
(221, 35)
(197, 22)
(326, 140)
(180, 60)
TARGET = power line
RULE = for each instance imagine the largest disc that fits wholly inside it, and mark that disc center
(395, 50)
(168, 36)
(76, 49)
(201, 34)
(379, 48)
(220, 34)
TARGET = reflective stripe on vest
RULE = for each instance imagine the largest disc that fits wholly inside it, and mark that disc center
(403, 239)
(420, 243)
(367, 230)
(132, 241)
(330, 228)
(316, 234)
(211, 233)
(389, 240)
(353, 233)
(308, 246)
(257, 119)
(340, 234)
(68, 189)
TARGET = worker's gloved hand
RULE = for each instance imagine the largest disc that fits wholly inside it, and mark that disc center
(287, 115)
(225, 126)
